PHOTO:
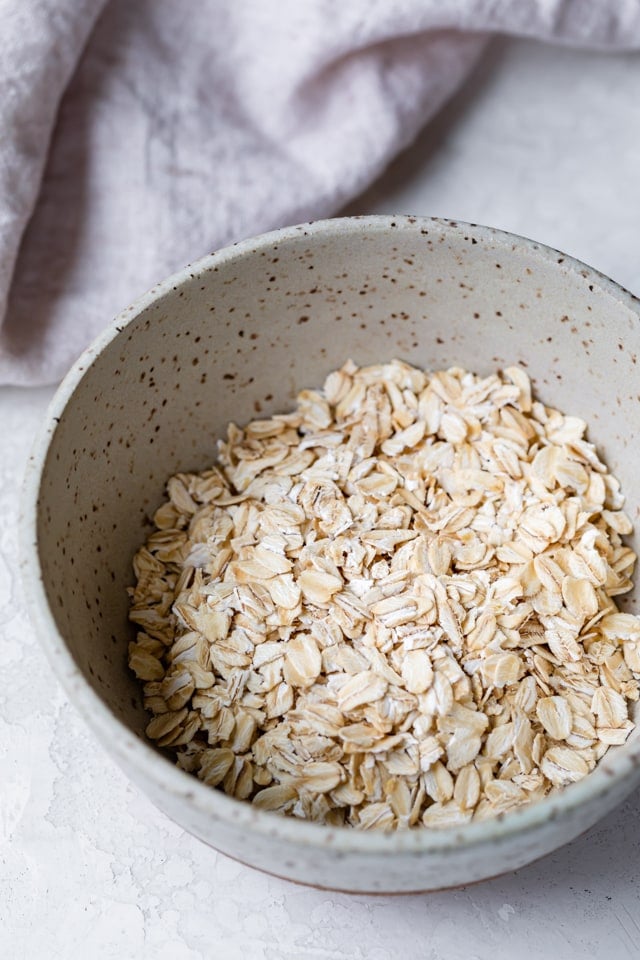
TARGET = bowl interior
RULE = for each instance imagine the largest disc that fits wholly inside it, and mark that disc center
(239, 334)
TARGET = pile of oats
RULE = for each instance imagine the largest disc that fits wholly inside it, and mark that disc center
(394, 606)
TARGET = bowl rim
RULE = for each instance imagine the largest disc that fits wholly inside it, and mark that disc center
(160, 772)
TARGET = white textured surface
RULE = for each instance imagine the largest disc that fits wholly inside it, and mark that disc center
(543, 142)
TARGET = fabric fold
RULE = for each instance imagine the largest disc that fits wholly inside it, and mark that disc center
(41, 43)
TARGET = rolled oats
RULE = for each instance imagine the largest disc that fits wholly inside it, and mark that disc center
(393, 606)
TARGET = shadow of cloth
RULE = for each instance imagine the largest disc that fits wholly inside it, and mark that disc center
(410, 165)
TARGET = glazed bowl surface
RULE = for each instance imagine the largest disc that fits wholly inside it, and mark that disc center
(235, 336)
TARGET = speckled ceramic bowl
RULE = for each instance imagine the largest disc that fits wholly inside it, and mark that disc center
(238, 334)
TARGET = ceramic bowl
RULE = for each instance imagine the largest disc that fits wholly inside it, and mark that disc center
(238, 334)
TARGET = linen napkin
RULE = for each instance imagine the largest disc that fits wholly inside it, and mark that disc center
(135, 137)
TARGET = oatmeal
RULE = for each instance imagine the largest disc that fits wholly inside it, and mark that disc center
(394, 606)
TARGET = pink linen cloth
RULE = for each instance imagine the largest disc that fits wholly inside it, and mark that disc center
(137, 135)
